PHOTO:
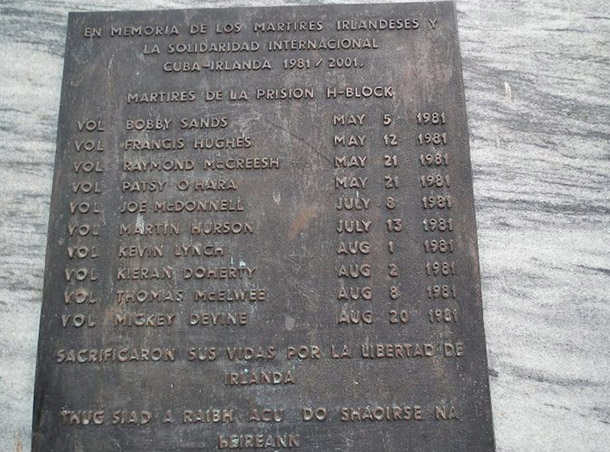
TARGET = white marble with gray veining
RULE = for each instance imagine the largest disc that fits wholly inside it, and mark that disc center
(537, 78)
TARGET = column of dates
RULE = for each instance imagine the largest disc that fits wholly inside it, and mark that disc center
(394, 224)
(436, 201)
(354, 219)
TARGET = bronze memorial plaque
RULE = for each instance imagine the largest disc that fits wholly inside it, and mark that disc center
(262, 235)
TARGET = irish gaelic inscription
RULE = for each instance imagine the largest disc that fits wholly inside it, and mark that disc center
(262, 236)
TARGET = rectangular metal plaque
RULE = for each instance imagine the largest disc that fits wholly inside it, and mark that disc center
(262, 235)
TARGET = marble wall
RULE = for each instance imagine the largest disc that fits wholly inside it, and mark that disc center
(537, 79)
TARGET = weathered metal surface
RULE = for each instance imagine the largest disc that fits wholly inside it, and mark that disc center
(262, 235)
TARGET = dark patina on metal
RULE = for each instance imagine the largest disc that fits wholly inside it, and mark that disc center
(262, 235)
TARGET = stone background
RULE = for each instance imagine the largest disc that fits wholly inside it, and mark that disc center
(537, 80)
